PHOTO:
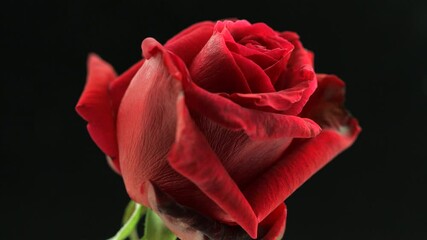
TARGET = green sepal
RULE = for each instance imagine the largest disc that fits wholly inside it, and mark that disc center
(133, 214)
(155, 229)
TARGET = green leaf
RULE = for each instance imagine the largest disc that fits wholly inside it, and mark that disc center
(132, 215)
(155, 229)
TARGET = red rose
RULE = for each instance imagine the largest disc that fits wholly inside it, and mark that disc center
(215, 129)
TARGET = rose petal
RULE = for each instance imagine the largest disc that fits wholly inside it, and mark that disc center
(242, 28)
(299, 72)
(189, 42)
(262, 59)
(305, 157)
(215, 69)
(257, 124)
(119, 86)
(275, 222)
(146, 138)
(276, 70)
(187, 223)
(275, 102)
(256, 78)
(146, 122)
(193, 158)
(95, 107)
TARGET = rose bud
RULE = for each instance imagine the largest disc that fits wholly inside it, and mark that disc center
(216, 128)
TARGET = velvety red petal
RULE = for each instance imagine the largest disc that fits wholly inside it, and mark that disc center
(119, 86)
(275, 102)
(146, 131)
(275, 223)
(215, 69)
(95, 106)
(256, 124)
(193, 158)
(190, 41)
(262, 59)
(299, 73)
(305, 157)
(290, 36)
(276, 70)
(258, 81)
(242, 28)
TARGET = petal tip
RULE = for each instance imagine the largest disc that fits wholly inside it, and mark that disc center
(149, 46)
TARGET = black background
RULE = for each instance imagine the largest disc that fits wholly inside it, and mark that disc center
(55, 183)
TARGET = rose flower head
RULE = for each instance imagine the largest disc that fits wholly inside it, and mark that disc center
(217, 127)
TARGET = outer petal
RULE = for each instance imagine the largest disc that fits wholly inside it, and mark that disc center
(119, 86)
(256, 124)
(187, 223)
(275, 223)
(190, 41)
(146, 131)
(146, 123)
(192, 157)
(306, 157)
(95, 107)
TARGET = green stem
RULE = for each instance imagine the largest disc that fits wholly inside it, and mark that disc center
(130, 208)
(133, 214)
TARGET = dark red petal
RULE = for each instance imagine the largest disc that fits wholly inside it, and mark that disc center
(326, 104)
(215, 69)
(290, 36)
(258, 81)
(95, 106)
(190, 41)
(242, 28)
(193, 158)
(276, 102)
(256, 124)
(275, 222)
(283, 101)
(263, 59)
(276, 70)
(119, 86)
(299, 73)
(193, 28)
(305, 157)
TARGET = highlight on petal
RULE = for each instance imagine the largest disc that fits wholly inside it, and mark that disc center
(305, 157)
(95, 107)
(192, 157)
(146, 122)
(257, 124)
